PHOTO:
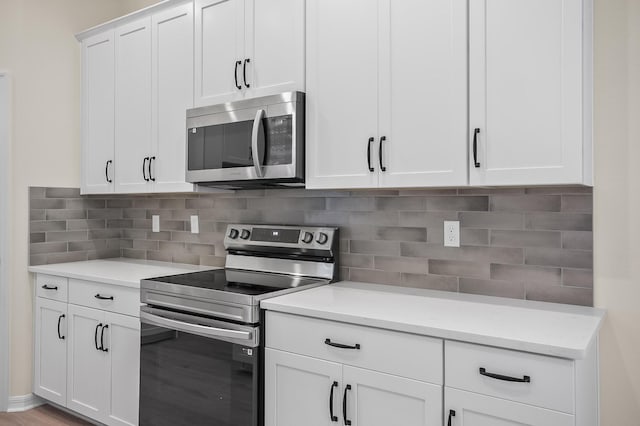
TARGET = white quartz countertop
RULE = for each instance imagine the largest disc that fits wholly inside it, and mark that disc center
(124, 272)
(545, 328)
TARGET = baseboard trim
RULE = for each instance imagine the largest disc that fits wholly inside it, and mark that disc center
(23, 402)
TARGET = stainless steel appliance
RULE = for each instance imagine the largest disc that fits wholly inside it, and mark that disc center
(251, 143)
(201, 355)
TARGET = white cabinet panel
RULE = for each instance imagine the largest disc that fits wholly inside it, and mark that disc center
(472, 409)
(219, 44)
(172, 95)
(342, 93)
(87, 368)
(423, 93)
(98, 113)
(275, 45)
(378, 399)
(50, 379)
(298, 390)
(526, 91)
(123, 344)
(133, 106)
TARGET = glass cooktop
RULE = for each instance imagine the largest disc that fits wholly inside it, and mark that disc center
(239, 282)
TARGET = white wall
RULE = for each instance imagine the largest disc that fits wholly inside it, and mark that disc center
(617, 206)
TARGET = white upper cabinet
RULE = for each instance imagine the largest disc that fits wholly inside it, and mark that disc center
(98, 113)
(133, 106)
(172, 95)
(248, 48)
(387, 104)
(530, 92)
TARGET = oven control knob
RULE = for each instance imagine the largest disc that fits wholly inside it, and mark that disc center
(233, 234)
(307, 237)
(322, 238)
(245, 234)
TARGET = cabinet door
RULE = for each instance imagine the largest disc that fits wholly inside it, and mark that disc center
(472, 409)
(219, 42)
(122, 339)
(274, 44)
(423, 93)
(87, 364)
(133, 106)
(342, 93)
(50, 355)
(172, 95)
(98, 114)
(298, 390)
(526, 91)
(378, 399)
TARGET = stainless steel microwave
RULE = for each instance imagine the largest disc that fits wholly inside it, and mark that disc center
(250, 143)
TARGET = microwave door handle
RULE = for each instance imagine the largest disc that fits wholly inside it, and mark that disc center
(257, 152)
(186, 327)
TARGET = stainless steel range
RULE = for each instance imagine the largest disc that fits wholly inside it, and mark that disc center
(201, 346)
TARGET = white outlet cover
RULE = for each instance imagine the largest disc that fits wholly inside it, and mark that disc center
(195, 226)
(451, 233)
(155, 223)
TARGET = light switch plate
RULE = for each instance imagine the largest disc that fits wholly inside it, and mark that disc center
(155, 223)
(195, 226)
(451, 233)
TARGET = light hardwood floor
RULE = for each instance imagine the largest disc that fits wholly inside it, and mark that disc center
(45, 415)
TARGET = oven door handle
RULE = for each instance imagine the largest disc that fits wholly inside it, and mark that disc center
(194, 328)
(257, 143)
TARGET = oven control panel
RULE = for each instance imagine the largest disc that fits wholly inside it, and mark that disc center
(303, 237)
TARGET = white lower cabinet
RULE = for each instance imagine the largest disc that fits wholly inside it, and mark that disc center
(50, 372)
(472, 409)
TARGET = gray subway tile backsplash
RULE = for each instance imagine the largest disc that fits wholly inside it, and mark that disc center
(533, 243)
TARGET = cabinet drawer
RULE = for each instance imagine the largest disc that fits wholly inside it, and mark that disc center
(550, 380)
(52, 287)
(400, 354)
(125, 300)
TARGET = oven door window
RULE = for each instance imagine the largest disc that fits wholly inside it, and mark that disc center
(186, 379)
(228, 145)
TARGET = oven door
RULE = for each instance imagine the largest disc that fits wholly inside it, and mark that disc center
(197, 371)
(258, 143)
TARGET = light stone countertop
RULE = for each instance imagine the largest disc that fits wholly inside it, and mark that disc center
(564, 331)
(118, 271)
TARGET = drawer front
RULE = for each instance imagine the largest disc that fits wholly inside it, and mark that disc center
(112, 298)
(550, 380)
(400, 354)
(52, 287)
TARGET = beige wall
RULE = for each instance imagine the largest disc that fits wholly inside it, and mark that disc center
(38, 47)
(617, 206)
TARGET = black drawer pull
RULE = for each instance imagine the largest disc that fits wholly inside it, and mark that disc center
(235, 75)
(244, 72)
(99, 296)
(60, 336)
(340, 345)
(344, 405)
(333, 418)
(452, 413)
(48, 287)
(102, 339)
(371, 140)
(475, 148)
(525, 379)
(95, 337)
(382, 167)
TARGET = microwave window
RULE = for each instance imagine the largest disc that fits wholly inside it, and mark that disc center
(228, 145)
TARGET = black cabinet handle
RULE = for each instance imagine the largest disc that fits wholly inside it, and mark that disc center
(95, 337)
(235, 75)
(340, 345)
(144, 169)
(106, 171)
(475, 148)
(99, 296)
(344, 405)
(60, 336)
(47, 287)
(102, 339)
(333, 418)
(452, 413)
(244, 72)
(525, 379)
(151, 178)
(383, 168)
(371, 140)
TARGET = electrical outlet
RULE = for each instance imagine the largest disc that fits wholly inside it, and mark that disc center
(451, 233)
(195, 226)
(155, 223)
